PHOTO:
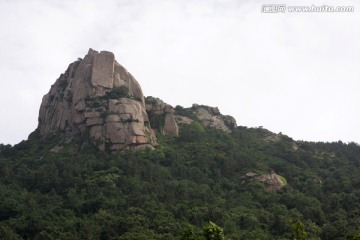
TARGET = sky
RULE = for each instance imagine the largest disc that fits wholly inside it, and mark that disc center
(291, 72)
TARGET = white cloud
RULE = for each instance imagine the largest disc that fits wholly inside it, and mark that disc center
(294, 72)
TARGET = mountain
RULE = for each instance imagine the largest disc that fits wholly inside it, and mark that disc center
(105, 162)
(97, 99)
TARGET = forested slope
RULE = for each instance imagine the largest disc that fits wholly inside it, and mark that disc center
(173, 191)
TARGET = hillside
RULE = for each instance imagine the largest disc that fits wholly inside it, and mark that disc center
(107, 163)
(190, 179)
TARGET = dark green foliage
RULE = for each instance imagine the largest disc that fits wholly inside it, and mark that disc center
(96, 102)
(115, 93)
(299, 232)
(186, 112)
(120, 92)
(192, 132)
(353, 237)
(213, 232)
(63, 84)
(175, 190)
(157, 122)
(210, 231)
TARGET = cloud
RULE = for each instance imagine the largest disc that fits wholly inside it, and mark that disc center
(294, 72)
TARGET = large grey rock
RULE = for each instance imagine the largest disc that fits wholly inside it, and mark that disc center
(81, 104)
(103, 70)
(162, 116)
(272, 181)
(208, 116)
(170, 126)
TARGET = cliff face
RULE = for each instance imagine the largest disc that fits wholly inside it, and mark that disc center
(99, 99)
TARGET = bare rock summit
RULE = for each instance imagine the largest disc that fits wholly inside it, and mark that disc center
(99, 100)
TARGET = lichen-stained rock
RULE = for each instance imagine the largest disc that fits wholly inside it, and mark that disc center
(85, 102)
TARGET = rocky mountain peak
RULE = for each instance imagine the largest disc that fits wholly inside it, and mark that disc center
(99, 99)
(208, 116)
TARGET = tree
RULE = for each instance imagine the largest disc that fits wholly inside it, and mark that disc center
(212, 231)
(188, 234)
(7, 233)
(299, 232)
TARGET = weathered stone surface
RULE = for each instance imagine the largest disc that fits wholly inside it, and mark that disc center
(80, 102)
(114, 132)
(94, 121)
(117, 147)
(210, 116)
(130, 140)
(81, 105)
(181, 120)
(118, 82)
(141, 139)
(83, 102)
(272, 181)
(210, 110)
(113, 118)
(143, 147)
(124, 78)
(156, 109)
(91, 114)
(103, 70)
(127, 106)
(97, 135)
(136, 128)
(81, 78)
(78, 118)
(170, 126)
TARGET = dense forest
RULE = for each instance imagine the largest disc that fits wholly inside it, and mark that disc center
(190, 187)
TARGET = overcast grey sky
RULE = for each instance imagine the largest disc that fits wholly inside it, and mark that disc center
(295, 73)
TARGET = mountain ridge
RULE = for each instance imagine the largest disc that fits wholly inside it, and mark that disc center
(99, 99)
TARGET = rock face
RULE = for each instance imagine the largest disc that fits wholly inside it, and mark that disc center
(99, 99)
(272, 181)
(210, 117)
(161, 116)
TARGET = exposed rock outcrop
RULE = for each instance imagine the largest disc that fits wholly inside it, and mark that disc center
(161, 116)
(208, 116)
(272, 181)
(99, 99)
